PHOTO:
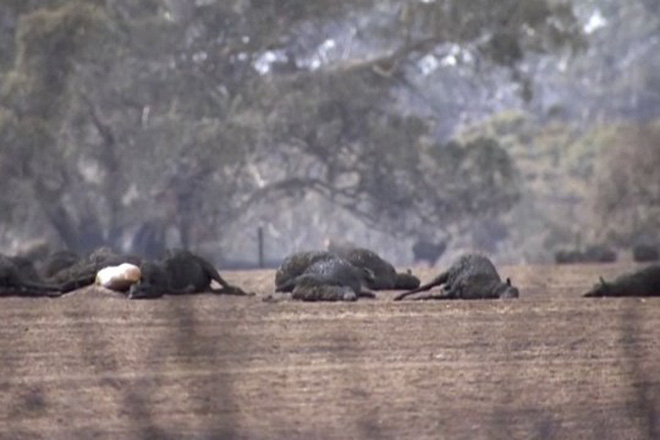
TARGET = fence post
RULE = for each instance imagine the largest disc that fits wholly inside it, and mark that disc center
(260, 235)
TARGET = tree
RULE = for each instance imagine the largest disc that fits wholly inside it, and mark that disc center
(627, 200)
(195, 113)
(38, 90)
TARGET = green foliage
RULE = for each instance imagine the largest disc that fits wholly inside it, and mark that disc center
(143, 109)
(47, 43)
(505, 31)
(546, 150)
(477, 179)
(627, 194)
(599, 183)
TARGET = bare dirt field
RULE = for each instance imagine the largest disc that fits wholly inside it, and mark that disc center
(551, 365)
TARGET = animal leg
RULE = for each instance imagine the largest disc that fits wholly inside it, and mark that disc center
(78, 283)
(440, 279)
(232, 290)
(212, 271)
(442, 295)
(144, 291)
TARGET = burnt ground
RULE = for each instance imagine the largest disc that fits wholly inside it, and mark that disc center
(551, 365)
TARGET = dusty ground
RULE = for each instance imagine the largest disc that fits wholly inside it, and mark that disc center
(551, 365)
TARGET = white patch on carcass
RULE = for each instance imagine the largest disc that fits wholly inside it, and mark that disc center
(119, 278)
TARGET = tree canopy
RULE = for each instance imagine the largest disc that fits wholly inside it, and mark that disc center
(195, 113)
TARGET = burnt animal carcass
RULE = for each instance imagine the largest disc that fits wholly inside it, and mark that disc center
(643, 282)
(83, 272)
(330, 278)
(19, 278)
(385, 277)
(472, 276)
(295, 265)
(180, 272)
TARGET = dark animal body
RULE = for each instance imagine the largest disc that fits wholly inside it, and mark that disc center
(295, 265)
(328, 278)
(472, 276)
(592, 254)
(83, 272)
(179, 272)
(19, 277)
(424, 250)
(644, 282)
(58, 261)
(406, 281)
(381, 275)
(645, 253)
(26, 268)
(385, 276)
(311, 291)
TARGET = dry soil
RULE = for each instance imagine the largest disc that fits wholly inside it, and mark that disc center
(551, 365)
